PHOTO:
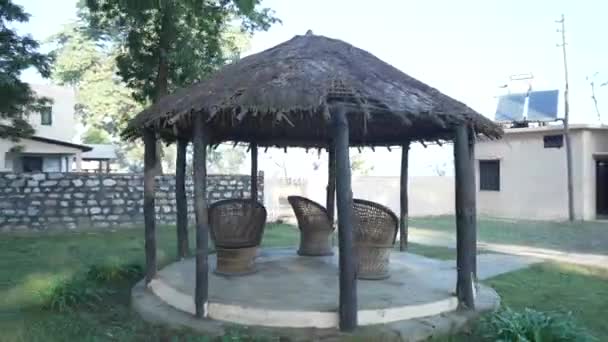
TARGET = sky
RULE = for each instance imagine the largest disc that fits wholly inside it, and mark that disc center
(466, 49)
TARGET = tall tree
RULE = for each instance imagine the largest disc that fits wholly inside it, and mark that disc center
(103, 102)
(18, 53)
(168, 44)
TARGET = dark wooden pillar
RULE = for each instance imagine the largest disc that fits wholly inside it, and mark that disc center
(473, 254)
(330, 202)
(150, 167)
(254, 171)
(181, 200)
(202, 221)
(465, 217)
(348, 277)
(403, 217)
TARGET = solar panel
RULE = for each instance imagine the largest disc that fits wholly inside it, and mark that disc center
(542, 105)
(511, 107)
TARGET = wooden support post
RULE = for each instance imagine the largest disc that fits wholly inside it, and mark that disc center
(150, 167)
(348, 276)
(202, 220)
(254, 172)
(180, 200)
(331, 181)
(473, 254)
(465, 217)
(403, 217)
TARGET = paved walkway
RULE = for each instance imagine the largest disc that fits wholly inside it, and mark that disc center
(433, 238)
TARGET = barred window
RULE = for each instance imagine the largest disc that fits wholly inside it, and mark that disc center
(489, 175)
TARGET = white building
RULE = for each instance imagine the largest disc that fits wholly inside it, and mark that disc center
(524, 175)
(50, 149)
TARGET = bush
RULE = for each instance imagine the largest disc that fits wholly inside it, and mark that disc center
(532, 326)
(88, 288)
(72, 292)
(114, 273)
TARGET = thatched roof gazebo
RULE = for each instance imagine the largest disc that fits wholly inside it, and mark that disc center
(312, 92)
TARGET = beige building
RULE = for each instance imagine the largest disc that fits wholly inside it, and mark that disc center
(51, 148)
(523, 176)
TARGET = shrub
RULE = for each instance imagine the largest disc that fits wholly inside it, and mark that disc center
(88, 288)
(532, 326)
(114, 272)
(72, 292)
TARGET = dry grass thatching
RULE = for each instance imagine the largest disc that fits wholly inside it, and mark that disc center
(284, 95)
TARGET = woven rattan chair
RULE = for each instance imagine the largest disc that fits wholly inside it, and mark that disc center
(375, 234)
(315, 227)
(236, 227)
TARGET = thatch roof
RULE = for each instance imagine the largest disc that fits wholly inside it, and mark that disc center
(284, 95)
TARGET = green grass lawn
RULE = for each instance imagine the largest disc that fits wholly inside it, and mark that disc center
(584, 237)
(554, 288)
(32, 265)
(562, 288)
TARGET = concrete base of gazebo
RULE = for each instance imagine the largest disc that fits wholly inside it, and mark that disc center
(292, 295)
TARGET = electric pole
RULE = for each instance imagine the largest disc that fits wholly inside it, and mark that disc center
(562, 21)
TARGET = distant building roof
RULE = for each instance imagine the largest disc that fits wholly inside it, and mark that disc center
(84, 148)
(100, 152)
(61, 143)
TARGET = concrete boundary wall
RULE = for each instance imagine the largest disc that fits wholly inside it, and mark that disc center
(428, 195)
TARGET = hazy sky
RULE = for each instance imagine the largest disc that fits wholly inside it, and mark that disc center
(466, 49)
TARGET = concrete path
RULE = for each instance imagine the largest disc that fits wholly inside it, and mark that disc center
(433, 238)
(491, 265)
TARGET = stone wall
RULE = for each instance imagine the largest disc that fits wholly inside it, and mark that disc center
(55, 201)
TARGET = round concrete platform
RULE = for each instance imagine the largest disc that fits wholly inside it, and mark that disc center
(291, 291)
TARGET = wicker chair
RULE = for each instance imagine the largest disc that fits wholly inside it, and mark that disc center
(375, 234)
(236, 227)
(315, 227)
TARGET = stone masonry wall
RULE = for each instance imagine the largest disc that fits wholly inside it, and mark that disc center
(56, 201)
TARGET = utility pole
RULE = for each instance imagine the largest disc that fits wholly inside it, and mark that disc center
(562, 21)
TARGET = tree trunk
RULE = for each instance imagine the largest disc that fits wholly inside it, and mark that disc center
(348, 276)
(202, 220)
(403, 217)
(181, 200)
(162, 75)
(465, 217)
(150, 162)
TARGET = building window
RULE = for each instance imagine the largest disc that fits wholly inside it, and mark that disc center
(553, 141)
(489, 175)
(46, 117)
(32, 164)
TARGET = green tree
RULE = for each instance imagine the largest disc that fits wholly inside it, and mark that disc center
(359, 165)
(226, 159)
(103, 102)
(96, 136)
(169, 44)
(18, 53)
